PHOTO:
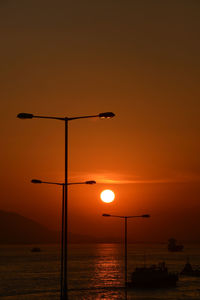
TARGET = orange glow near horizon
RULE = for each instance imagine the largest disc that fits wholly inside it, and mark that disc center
(148, 154)
(107, 196)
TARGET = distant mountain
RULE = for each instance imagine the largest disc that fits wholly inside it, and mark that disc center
(16, 229)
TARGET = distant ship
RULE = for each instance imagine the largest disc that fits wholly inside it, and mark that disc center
(35, 249)
(156, 276)
(189, 271)
(173, 247)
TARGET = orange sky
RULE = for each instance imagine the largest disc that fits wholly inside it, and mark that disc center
(139, 59)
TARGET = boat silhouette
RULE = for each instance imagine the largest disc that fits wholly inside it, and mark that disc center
(173, 247)
(155, 276)
(35, 249)
(189, 271)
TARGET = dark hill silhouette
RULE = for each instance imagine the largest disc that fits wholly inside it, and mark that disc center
(16, 229)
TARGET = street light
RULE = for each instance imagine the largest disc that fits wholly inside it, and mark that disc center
(63, 184)
(38, 181)
(125, 239)
(105, 115)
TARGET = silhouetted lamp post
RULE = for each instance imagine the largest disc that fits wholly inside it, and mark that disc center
(62, 227)
(125, 239)
(105, 115)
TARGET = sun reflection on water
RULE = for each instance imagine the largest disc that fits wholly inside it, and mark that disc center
(107, 268)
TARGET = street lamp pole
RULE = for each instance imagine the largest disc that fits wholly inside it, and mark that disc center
(125, 251)
(62, 242)
(65, 229)
(105, 115)
(62, 226)
(125, 240)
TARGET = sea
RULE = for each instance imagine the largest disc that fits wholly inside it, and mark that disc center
(96, 271)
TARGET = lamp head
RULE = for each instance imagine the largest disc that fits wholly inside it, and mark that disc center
(36, 181)
(106, 115)
(25, 116)
(145, 216)
(106, 215)
(90, 182)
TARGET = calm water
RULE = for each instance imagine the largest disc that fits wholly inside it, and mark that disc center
(94, 272)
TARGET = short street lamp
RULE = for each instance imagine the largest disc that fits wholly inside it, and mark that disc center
(38, 181)
(125, 239)
(105, 115)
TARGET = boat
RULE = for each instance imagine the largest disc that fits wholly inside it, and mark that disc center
(35, 249)
(155, 276)
(173, 247)
(189, 271)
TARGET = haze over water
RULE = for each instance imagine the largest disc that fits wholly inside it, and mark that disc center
(93, 268)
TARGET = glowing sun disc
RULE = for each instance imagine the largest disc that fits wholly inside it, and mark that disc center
(107, 196)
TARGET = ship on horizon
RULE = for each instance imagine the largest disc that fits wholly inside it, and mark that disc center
(173, 247)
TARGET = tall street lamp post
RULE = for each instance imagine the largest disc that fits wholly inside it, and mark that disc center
(125, 239)
(106, 115)
(62, 220)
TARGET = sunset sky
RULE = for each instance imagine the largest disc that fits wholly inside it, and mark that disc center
(136, 58)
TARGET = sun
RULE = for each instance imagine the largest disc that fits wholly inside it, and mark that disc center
(107, 196)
